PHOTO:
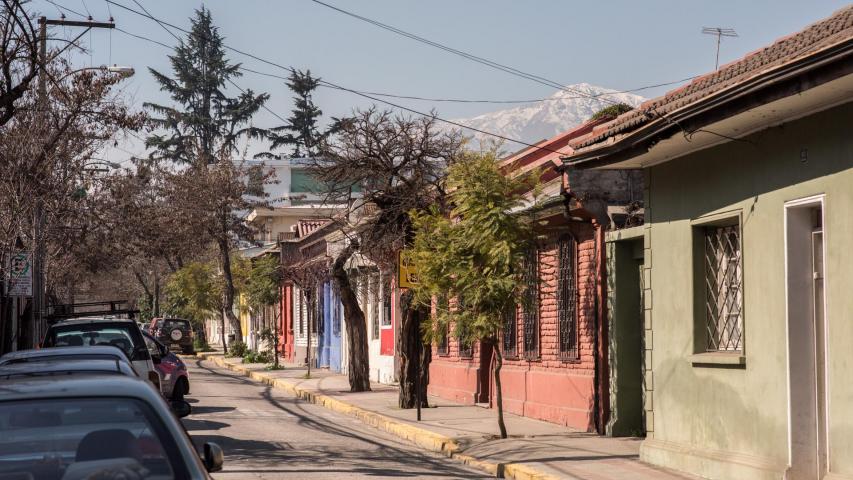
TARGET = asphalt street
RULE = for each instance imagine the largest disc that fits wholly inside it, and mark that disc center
(269, 434)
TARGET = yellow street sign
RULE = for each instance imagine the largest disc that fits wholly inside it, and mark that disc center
(408, 273)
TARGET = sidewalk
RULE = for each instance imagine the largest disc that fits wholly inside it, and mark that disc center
(534, 449)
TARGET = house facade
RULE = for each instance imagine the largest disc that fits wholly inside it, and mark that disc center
(555, 361)
(741, 270)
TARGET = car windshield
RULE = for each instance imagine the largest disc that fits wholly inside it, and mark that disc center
(73, 438)
(121, 335)
(174, 323)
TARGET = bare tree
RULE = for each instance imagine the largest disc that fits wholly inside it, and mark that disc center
(398, 164)
(19, 62)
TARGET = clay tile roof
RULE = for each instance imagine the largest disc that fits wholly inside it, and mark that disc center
(308, 225)
(831, 31)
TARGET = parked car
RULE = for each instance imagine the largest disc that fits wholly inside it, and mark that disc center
(174, 380)
(176, 333)
(80, 427)
(66, 353)
(121, 333)
(65, 368)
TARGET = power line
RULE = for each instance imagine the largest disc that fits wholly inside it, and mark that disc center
(469, 56)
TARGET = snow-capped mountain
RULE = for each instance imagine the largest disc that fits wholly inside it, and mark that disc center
(540, 120)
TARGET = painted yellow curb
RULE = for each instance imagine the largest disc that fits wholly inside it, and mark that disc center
(423, 438)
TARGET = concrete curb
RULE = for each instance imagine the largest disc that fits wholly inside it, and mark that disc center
(421, 437)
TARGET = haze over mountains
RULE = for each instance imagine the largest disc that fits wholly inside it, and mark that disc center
(540, 120)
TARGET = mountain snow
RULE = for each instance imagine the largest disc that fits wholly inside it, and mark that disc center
(541, 120)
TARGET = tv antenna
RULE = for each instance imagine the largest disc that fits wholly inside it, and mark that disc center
(719, 32)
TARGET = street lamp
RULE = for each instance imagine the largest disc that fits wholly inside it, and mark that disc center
(124, 71)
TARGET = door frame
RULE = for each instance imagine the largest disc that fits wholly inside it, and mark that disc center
(818, 200)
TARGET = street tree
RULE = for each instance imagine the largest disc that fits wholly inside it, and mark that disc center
(203, 134)
(382, 167)
(263, 289)
(19, 60)
(301, 132)
(474, 255)
(193, 292)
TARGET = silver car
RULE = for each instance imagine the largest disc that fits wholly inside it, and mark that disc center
(67, 353)
(84, 426)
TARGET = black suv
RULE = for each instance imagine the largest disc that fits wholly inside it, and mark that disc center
(175, 333)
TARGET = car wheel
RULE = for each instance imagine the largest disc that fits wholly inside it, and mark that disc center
(182, 388)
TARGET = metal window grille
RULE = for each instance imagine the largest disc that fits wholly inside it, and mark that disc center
(510, 333)
(443, 340)
(723, 288)
(567, 298)
(321, 307)
(336, 318)
(299, 305)
(386, 303)
(530, 310)
(374, 304)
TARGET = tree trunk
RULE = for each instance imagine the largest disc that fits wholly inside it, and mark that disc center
(499, 398)
(222, 324)
(275, 316)
(359, 360)
(155, 308)
(410, 336)
(228, 293)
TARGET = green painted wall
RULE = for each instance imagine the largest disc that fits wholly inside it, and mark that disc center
(741, 414)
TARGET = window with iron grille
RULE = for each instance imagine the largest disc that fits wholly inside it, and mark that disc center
(299, 304)
(374, 305)
(530, 310)
(443, 340)
(386, 302)
(510, 334)
(321, 304)
(336, 317)
(567, 298)
(723, 288)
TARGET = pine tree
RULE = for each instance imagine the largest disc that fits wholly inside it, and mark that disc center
(210, 122)
(203, 133)
(301, 131)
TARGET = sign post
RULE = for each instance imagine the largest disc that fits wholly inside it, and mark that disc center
(20, 275)
(407, 278)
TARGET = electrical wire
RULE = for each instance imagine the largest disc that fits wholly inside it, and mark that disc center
(469, 56)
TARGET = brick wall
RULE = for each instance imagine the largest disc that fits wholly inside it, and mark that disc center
(548, 388)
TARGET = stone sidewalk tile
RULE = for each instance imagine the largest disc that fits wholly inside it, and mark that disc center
(535, 450)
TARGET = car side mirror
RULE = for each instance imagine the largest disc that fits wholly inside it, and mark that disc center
(213, 457)
(182, 408)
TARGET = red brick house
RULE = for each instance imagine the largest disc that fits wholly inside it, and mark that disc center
(556, 361)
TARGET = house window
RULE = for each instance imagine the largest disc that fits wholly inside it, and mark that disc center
(299, 303)
(321, 304)
(723, 288)
(530, 310)
(567, 298)
(443, 340)
(374, 305)
(386, 303)
(510, 333)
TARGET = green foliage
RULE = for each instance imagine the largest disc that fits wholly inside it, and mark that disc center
(208, 122)
(194, 292)
(237, 349)
(263, 282)
(475, 254)
(201, 345)
(301, 131)
(145, 310)
(254, 356)
(612, 111)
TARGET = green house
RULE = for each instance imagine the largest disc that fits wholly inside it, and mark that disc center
(742, 274)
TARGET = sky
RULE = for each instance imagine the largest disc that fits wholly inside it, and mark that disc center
(622, 45)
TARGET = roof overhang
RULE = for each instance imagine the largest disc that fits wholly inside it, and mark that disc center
(793, 91)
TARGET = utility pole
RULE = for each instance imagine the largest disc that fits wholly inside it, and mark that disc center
(38, 303)
(719, 32)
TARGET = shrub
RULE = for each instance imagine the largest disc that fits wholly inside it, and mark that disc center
(237, 349)
(200, 345)
(254, 356)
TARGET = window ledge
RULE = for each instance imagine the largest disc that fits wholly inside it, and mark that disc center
(734, 359)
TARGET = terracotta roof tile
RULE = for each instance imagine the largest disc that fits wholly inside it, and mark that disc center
(818, 36)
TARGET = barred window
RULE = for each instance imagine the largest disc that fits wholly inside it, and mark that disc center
(321, 303)
(300, 303)
(373, 295)
(443, 343)
(510, 333)
(336, 317)
(386, 302)
(530, 310)
(567, 298)
(723, 288)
